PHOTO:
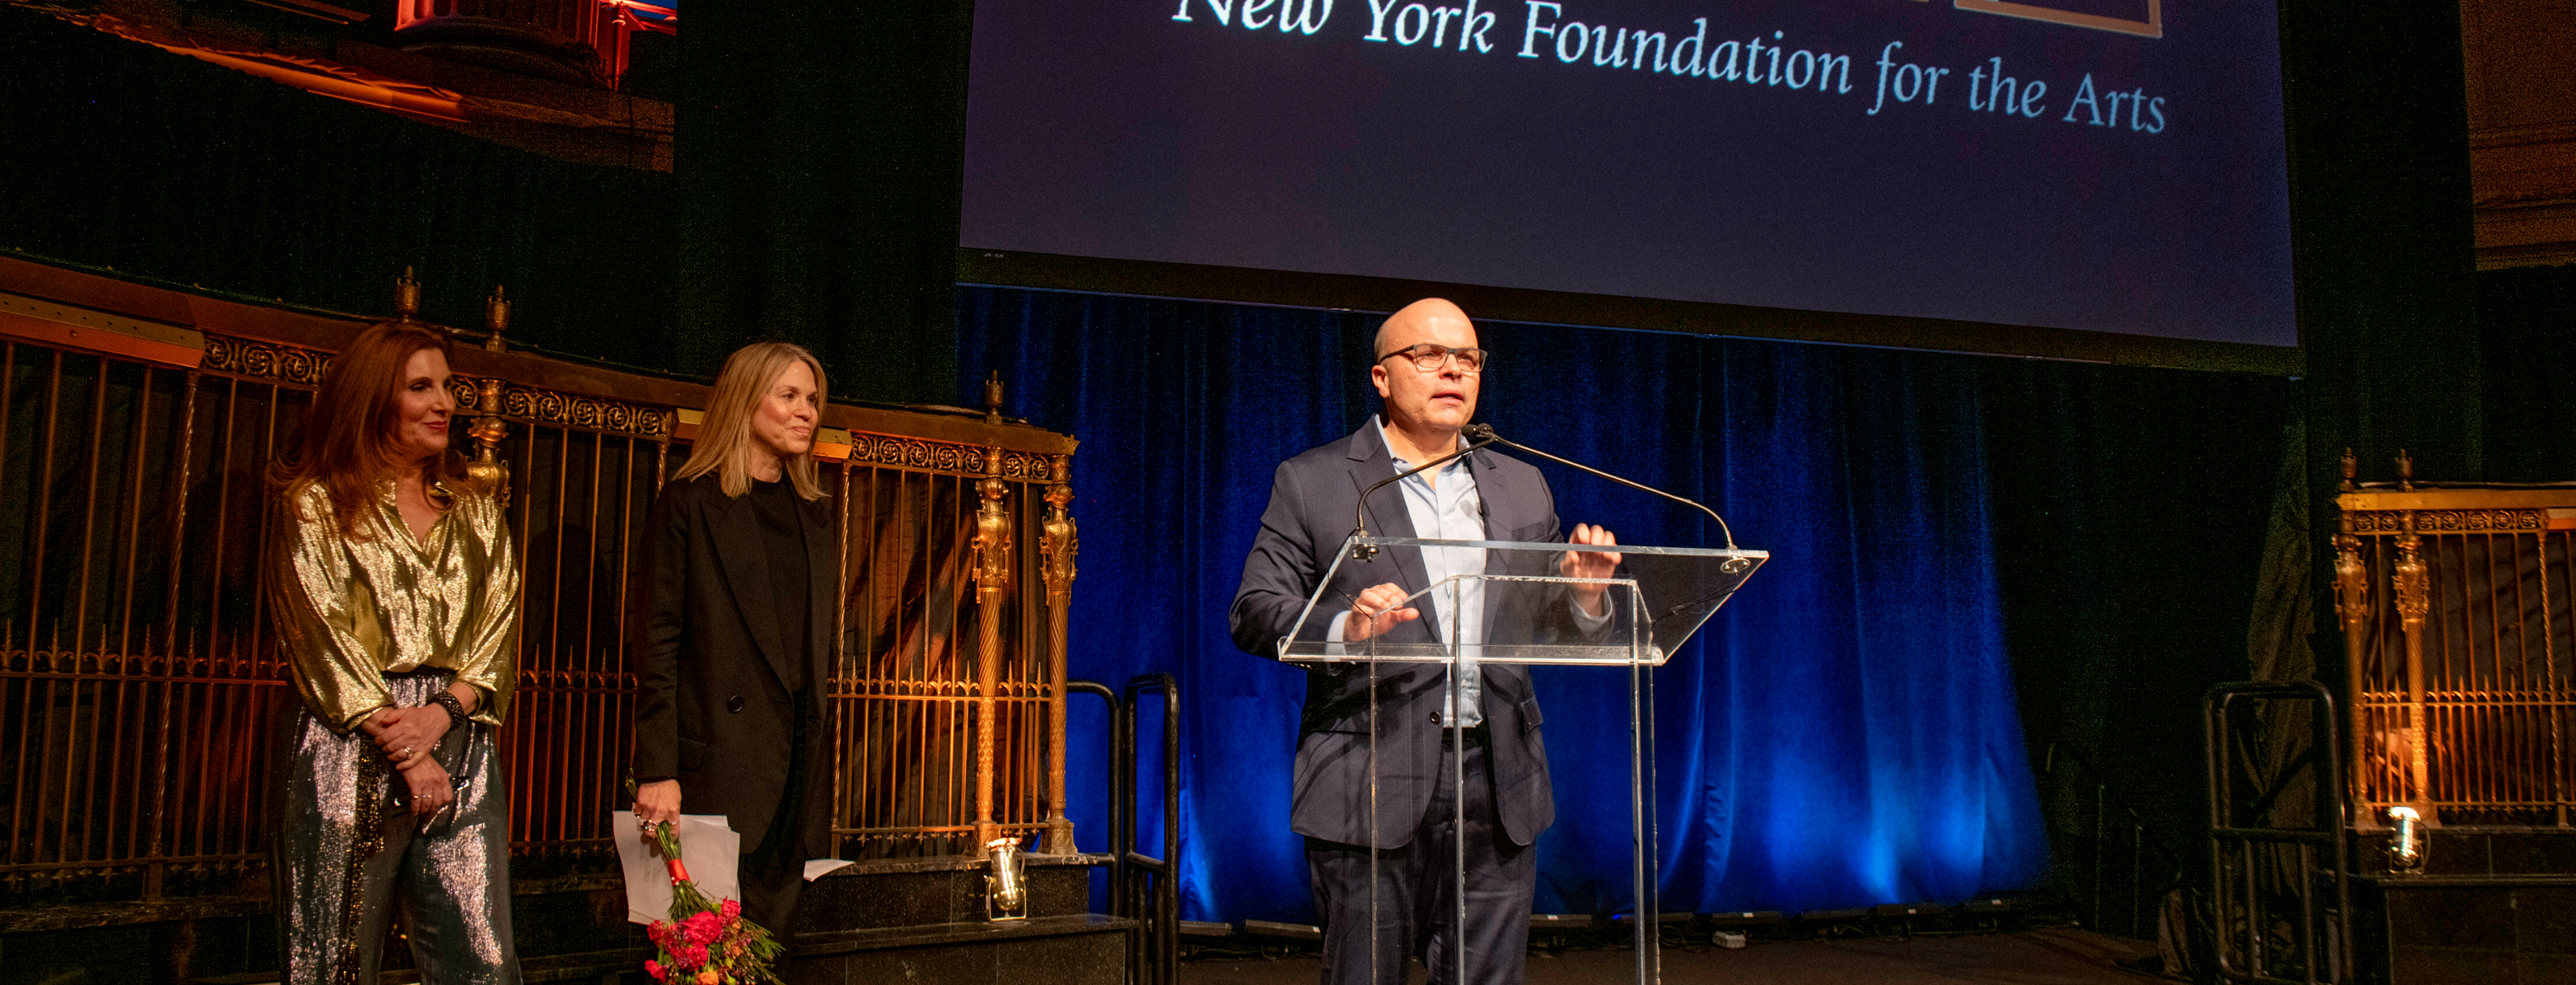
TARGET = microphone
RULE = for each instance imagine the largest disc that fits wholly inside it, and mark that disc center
(1485, 436)
(1479, 436)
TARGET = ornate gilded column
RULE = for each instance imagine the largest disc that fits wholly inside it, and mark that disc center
(1058, 543)
(2352, 609)
(2412, 588)
(992, 581)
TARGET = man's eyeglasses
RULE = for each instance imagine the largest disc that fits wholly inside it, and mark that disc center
(1430, 358)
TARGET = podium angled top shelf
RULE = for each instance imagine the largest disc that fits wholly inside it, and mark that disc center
(1658, 598)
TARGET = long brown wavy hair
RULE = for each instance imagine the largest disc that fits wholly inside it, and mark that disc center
(345, 443)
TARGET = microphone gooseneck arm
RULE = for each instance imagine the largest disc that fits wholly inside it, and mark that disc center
(1484, 435)
(1359, 518)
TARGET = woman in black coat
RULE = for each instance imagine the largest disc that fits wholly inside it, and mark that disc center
(734, 609)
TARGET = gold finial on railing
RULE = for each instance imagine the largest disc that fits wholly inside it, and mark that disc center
(993, 398)
(2351, 471)
(496, 319)
(2405, 472)
(406, 297)
(487, 432)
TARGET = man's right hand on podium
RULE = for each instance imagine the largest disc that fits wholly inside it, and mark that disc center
(1373, 612)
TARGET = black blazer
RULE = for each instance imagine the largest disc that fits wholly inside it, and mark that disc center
(1312, 498)
(714, 709)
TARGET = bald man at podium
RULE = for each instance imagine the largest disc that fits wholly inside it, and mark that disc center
(1428, 374)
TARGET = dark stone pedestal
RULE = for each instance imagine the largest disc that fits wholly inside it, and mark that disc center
(918, 921)
(922, 920)
(2493, 908)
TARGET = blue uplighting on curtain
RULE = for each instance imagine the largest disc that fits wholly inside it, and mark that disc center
(1842, 734)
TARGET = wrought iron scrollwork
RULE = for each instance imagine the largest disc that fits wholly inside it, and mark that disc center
(2389, 522)
(947, 458)
(560, 409)
(265, 361)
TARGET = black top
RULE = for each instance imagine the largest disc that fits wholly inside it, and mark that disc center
(782, 537)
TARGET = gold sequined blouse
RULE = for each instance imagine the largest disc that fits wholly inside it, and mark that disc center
(352, 611)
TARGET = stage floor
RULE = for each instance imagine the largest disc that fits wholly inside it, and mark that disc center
(2039, 957)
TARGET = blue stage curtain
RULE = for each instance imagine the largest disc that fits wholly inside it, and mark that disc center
(1843, 733)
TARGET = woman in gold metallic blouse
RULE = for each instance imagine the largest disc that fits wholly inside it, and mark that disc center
(397, 597)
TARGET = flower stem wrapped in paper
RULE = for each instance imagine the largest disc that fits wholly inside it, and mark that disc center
(705, 942)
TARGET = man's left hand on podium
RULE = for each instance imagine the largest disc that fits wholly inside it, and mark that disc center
(1590, 564)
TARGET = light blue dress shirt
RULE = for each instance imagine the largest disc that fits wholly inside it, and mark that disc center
(1451, 510)
(1448, 510)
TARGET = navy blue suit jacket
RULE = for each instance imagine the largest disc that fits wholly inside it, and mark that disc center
(1312, 501)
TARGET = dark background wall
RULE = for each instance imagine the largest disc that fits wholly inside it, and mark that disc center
(2527, 342)
(2380, 228)
(2130, 511)
(819, 187)
(814, 198)
(159, 166)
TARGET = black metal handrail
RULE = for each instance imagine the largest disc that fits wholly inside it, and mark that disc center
(1144, 887)
(2325, 946)
(1161, 893)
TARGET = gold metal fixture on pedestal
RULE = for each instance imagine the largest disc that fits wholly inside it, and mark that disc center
(1006, 887)
(2405, 839)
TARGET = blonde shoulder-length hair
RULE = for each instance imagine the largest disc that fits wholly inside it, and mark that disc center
(724, 444)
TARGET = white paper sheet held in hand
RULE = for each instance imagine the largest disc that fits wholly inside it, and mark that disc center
(710, 848)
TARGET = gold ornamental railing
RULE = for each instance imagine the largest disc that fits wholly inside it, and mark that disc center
(2457, 606)
(142, 697)
(139, 688)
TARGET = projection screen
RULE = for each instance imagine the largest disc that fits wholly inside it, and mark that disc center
(2077, 178)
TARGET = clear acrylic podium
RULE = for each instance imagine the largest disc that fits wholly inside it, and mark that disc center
(1655, 601)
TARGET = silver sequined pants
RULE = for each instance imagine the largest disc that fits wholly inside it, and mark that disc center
(350, 850)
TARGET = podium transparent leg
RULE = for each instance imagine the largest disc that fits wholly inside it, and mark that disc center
(1375, 836)
(1458, 811)
(1639, 829)
(1641, 816)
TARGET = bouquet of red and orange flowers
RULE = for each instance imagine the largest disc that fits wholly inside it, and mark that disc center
(705, 943)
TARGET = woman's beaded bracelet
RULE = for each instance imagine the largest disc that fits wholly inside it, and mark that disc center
(455, 709)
